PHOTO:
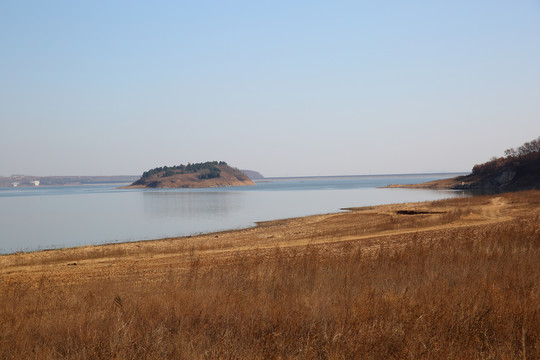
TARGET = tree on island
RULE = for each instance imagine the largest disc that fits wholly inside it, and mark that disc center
(205, 170)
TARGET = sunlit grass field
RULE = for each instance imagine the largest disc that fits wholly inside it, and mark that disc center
(454, 292)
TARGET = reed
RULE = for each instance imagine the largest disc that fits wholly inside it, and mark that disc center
(475, 299)
(465, 293)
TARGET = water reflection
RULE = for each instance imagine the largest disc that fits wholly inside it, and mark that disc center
(187, 204)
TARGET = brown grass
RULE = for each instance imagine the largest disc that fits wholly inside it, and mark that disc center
(459, 283)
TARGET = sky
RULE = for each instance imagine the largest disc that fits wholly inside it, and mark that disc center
(287, 88)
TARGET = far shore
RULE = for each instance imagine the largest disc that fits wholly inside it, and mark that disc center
(443, 184)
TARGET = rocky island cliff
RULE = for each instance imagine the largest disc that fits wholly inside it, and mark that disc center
(199, 175)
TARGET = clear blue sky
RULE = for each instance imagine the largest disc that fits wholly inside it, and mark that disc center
(283, 87)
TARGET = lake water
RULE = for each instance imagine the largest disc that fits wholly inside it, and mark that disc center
(51, 217)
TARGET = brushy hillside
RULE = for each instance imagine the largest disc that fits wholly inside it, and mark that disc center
(519, 169)
(465, 292)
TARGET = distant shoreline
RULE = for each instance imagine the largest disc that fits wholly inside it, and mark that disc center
(276, 178)
(16, 181)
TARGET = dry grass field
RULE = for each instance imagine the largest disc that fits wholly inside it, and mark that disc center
(451, 279)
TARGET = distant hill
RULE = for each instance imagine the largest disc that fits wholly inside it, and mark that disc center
(29, 180)
(253, 175)
(199, 175)
(519, 169)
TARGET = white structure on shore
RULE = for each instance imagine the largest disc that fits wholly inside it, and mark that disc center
(18, 183)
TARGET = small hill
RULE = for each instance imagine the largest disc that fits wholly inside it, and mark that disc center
(253, 175)
(519, 169)
(199, 175)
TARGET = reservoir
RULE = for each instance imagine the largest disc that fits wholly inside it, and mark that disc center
(37, 218)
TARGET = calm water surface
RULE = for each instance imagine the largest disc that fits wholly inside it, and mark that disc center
(51, 217)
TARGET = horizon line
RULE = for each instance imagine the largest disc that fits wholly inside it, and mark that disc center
(365, 175)
(266, 177)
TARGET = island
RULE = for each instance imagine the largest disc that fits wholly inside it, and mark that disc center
(518, 169)
(198, 175)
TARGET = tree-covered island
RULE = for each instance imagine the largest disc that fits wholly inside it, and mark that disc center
(196, 175)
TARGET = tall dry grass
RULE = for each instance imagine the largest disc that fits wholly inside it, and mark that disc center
(471, 293)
